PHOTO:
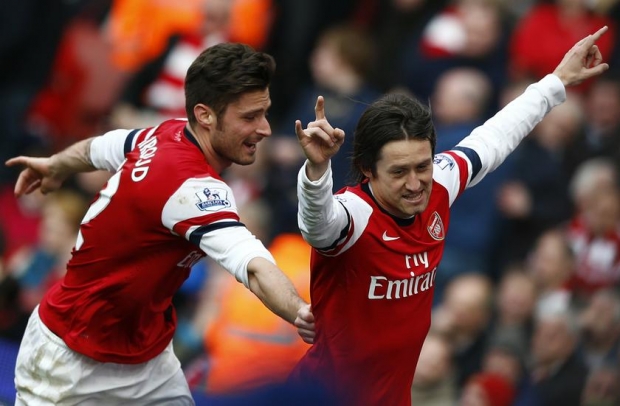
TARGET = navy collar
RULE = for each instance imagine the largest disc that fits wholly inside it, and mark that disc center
(190, 137)
(400, 221)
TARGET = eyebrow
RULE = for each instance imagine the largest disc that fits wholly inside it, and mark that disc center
(407, 165)
(259, 110)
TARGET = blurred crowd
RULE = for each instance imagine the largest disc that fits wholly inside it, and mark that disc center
(527, 300)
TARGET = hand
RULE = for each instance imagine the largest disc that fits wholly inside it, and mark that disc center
(514, 200)
(305, 324)
(39, 174)
(319, 141)
(582, 61)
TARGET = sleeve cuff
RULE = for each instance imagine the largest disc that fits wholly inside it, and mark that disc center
(316, 184)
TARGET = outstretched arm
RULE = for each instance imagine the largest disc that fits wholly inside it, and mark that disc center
(105, 152)
(49, 173)
(489, 145)
(277, 292)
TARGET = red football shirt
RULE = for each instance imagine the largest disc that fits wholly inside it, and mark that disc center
(156, 217)
(372, 292)
(373, 275)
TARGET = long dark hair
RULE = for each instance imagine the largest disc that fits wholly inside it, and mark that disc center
(393, 117)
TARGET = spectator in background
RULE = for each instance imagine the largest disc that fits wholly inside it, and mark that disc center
(391, 23)
(19, 220)
(246, 346)
(507, 356)
(296, 27)
(464, 316)
(466, 33)
(561, 23)
(13, 319)
(155, 93)
(340, 63)
(558, 372)
(600, 329)
(460, 103)
(487, 389)
(601, 131)
(30, 35)
(594, 230)
(434, 382)
(552, 265)
(514, 304)
(602, 387)
(537, 197)
(39, 266)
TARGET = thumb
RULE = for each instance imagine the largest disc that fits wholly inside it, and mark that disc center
(597, 70)
(299, 130)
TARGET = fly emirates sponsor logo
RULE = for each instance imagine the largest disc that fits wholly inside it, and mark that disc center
(421, 280)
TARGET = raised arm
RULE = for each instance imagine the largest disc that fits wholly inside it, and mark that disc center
(319, 141)
(320, 217)
(489, 145)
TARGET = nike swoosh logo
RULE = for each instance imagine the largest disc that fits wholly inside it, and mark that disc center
(388, 238)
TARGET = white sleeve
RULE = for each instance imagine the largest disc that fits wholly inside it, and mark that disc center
(500, 135)
(321, 218)
(203, 210)
(233, 248)
(107, 152)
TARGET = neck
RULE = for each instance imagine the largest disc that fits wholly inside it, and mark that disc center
(201, 135)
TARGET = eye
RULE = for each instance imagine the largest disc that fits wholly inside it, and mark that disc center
(423, 167)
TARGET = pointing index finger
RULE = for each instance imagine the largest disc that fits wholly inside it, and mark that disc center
(319, 108)
(591, 39)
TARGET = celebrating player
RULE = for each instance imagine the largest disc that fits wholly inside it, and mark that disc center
(103, 334)
(378, 244)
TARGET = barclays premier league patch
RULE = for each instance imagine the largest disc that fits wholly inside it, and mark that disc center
(444, 161)
(213, 199)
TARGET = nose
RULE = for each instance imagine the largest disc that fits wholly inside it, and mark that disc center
(413, 182)
(264, 128)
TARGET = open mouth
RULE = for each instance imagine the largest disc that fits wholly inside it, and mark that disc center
(414, 197)
(251, 146)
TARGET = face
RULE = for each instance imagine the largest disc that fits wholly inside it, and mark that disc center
(516, 298)
(473, 395)
(502, 363)
(551, 342)
(404, 177)
(235, 135)
(433, 363)
(550, 264)
(598, 318)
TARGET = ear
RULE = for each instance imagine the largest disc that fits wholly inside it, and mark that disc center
(205, 116)
(367, 173)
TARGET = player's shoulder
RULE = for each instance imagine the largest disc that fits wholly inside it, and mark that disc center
(354, 197)
(207, 193)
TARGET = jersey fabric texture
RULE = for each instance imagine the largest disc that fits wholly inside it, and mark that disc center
(372, 275)
(156, 217)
